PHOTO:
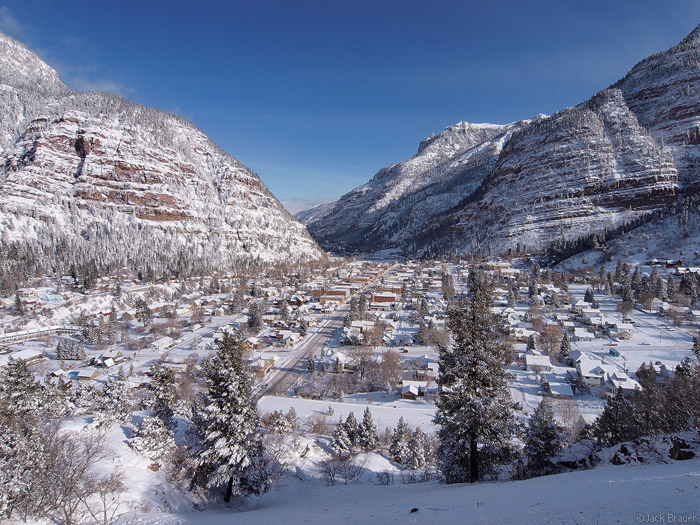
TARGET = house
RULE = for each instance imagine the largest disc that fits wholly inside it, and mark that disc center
(560, 390)
(581, 334)
(410, 392)
(625, 330)
(338, 362)
(614, 380)
(261, 367)
(28, 355)
(537, 363)
(88, 375)
(162, 343)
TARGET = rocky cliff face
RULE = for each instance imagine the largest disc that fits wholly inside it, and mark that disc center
(394, 206)
(629, 150)
(92, 169)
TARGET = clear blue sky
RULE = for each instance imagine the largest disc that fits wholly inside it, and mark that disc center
(316, 96)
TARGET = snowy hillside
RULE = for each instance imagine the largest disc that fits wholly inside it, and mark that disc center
(394, 206)
(92, 169)
(609, 493)
(310, 215)
(629, 151)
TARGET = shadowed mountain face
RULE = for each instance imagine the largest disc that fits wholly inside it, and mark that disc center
(629, 150)
(95, 172)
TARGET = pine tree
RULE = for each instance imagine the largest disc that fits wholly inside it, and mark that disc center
(255, 320)
(292, 418)
(340, 442)
(351, 428)
(121, 375)
(588, 296)
(367, 433)
(310, 365)
(416, 450)
(617, 422)
(531, 345)
(230, 450)
(112, 327)
(19, 390)
(544, 438)
(565, 347)
(19, 306)
(474, 407)
(143, 312)
(152, 439)
(162, 394)
(114, 404)
(398, 448)
(279, 424)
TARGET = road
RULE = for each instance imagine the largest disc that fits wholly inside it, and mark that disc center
(287, 371)
(289, 368)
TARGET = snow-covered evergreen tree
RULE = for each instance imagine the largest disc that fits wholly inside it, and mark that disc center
(398, 448)
(340, 442)
(293, 419)
(416, 459)
(20, 460)
(474, 408)
(152, 439)
(565, 347)
(162, 393)
(531, 345)
(18, 389)
(351, 428)
(255, 319)
(617, 422)
(544, 438)
(114, 405)
(367, 432)
(279, 424)
(230, 450)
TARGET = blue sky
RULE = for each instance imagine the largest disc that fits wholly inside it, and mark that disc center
(317, 96)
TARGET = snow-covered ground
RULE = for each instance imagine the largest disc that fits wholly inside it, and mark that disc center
(610, 494)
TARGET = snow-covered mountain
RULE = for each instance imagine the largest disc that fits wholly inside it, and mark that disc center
(393, 207)
(630, 150)
(313, 214)
(126, 182)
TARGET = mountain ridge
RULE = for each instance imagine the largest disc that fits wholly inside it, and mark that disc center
(626, 152)
(78, 163)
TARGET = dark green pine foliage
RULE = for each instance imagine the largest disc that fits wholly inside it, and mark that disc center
(19, 390)
(367, 432)
(230, 450)
(617, 422)
(352, 428)
(162, 394)
(475, 412)
(544, 439)
(565, 347)
(398, 448)
(340, 442)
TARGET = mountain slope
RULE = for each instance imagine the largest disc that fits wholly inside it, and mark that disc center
(311, 215)
(622, 155)
(122, 182)
(396, 203)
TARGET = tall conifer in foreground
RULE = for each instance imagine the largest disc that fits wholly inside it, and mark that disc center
(474, 408)
(230, 451)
